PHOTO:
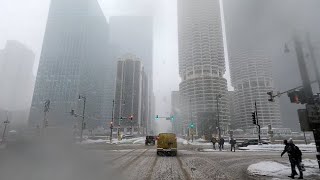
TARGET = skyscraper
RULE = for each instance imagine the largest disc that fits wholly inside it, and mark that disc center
(201, 61)
(128, 97)
(74, 60)
(17, 81)
(134, 35)
(251, 76)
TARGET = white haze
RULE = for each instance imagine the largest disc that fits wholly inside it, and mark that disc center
(25, 20)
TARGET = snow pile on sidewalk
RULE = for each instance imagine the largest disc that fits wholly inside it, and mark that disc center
(195, 142)
(138, 140)
(90, 141)
(278, 147)
(277, 170)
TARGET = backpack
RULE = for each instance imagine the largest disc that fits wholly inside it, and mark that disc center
(296, 152)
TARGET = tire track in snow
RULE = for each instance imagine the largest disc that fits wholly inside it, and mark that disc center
(152, 168)
(125, 166)
(184, 171)
(121, 156)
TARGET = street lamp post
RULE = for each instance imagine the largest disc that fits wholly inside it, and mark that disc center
(112, 121)
(218, 96)
(5, 128)
(83, 111)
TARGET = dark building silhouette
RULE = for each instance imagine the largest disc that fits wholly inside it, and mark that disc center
(134, 35)
(130, 96)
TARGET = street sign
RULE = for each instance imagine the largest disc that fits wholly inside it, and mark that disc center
(313, 113)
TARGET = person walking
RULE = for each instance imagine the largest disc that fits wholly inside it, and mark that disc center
(221, 143)
(214, 140)
(233, 144)
(295, 157)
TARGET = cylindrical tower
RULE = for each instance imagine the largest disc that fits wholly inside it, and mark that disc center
(202, 64)
(251, 76)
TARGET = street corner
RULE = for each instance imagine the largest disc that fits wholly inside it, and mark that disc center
(276, 170)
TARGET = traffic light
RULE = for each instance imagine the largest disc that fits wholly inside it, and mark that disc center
(121, 118)
(172, 118)
(298, 97)
(192, 125)
(131, 117)
(293, 95)
(157, 117)
(271, 96)
(254, 121)
(72, 112)
(111, 124)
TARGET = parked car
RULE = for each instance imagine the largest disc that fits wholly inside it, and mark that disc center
(251, 142)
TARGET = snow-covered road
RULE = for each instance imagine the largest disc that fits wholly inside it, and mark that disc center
(133, 160)
(141, 162)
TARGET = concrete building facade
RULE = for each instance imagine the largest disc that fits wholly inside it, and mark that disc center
(201, 62)
(251, 77)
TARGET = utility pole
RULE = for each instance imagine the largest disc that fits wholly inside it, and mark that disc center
(259, 127)
(112, 121)
(6, 122)
(217, 97)
(308, 91)
(190, 109)
(83, 111)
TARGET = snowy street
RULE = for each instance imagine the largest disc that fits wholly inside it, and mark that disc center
(134, 161)
(131, 159)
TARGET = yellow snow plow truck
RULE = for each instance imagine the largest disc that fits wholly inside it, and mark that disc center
(167, 144)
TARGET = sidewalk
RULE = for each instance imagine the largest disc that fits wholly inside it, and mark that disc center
(277, 170)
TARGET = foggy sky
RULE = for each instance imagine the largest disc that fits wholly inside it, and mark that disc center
(25, 21)
(265, 24)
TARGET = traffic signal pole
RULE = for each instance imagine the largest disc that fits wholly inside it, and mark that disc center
(259, 130)
(308, 91)
(112, 121)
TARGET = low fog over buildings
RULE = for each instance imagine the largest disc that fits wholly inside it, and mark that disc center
(16, 81)
(266, 26)
(251, 77)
